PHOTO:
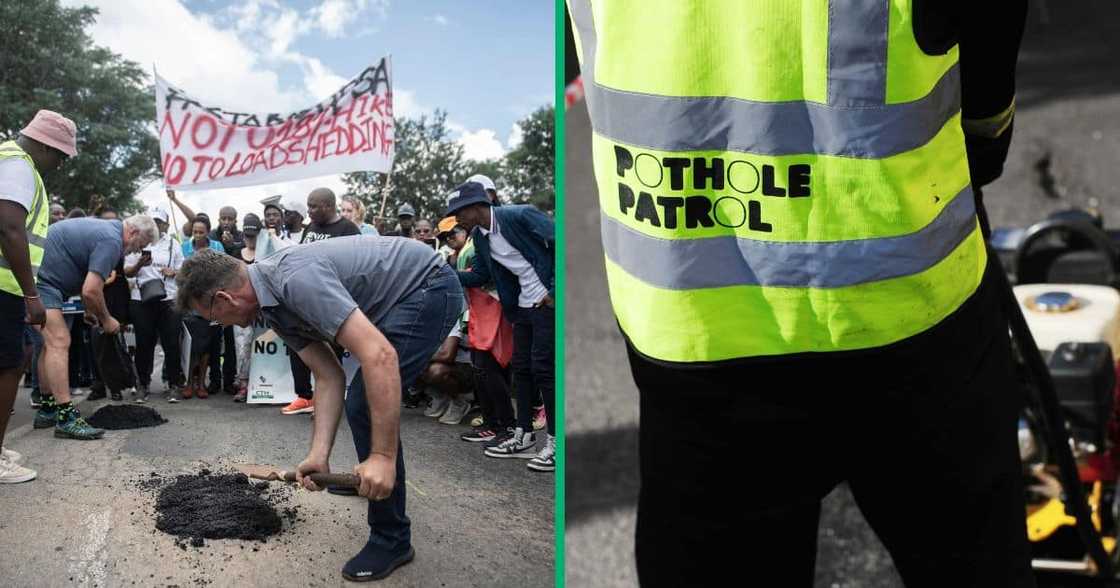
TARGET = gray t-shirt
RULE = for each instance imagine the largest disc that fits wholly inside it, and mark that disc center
(77, 246)
(307, 292)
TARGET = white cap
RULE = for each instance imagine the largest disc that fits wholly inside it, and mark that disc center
(486, 182)
(296, 205)
(158, 213)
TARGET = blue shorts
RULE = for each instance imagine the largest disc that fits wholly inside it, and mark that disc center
(50, 296)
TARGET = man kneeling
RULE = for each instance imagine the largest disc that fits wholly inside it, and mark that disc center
(391, 302)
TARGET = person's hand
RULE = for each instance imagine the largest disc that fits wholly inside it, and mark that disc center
(112, 277)
(111, 326)
(171, 195)
(90, 319)
(313, 464)
(144, 260)
(36, 313)
(547, 301)
(378, 474)
(167, 272)
(227, 239)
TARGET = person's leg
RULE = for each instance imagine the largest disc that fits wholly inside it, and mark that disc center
(229, 361)
(523, 368)
(169, 325)
(214, 352)
(54, 365)
(36, 351)
(415, 327)
(12, 313)
(147, 329)
(719, 496)
(944, 429)
(543, 357)
(301, 377)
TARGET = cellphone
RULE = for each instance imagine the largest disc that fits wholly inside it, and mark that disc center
(145, 253)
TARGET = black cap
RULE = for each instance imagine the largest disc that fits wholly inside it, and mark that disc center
(251, 224)
(466, 195)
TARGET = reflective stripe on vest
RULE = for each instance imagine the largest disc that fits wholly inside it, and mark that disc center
(37, 220)
(775, 178)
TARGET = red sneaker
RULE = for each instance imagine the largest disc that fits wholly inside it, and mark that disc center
(300, 406)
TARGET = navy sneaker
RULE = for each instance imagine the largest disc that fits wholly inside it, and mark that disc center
(372, 563)
(45, 419)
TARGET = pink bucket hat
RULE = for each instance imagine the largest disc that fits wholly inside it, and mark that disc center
(54, 130)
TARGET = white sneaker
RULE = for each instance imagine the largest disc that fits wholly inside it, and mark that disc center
(456, 410)
(437, 406)
(545, 461)
(14, 456)
(521, 445)
(13, 473)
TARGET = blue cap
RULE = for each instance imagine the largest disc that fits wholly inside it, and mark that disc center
(466, 195)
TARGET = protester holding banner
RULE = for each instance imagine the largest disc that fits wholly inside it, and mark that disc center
(390, 302)
(354, 211)
(326, 223)
(78, 257)
(156, 318)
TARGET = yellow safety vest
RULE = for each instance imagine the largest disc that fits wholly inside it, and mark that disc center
(37, 220)
(775, 177)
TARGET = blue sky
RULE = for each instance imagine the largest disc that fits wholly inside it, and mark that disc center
(488, 63)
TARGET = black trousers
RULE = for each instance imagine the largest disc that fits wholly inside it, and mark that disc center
(736, 459)
(158, 321)
(492, 386)
(534, 364)
(223, 360)
(301, 376)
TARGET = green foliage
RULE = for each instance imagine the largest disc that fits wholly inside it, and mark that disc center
(429, 164)
(48, 61)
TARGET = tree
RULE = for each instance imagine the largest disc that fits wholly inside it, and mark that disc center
(47, 60)
(427, 165)
(527, 171)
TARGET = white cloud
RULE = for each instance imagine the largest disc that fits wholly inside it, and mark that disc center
(481, 144)
(515, 137)
(333, 16)
(439, 19)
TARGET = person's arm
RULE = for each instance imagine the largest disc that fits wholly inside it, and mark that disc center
(93, 298)
(330, 381)
(544, 230)
(130, 271)
(479, 275)
(182, 205)
(13, 244)
(381, 376)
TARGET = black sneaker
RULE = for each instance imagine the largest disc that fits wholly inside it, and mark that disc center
(96, 394)
(36, 398)
(479, 435)
(522, 445)
(499, 438)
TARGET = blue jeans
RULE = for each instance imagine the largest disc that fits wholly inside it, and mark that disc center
(416, 327)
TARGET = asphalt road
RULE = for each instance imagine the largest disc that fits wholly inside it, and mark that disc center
(1064, 153)
(476, 521)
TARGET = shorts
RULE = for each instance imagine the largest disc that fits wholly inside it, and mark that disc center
(51, 297)
(12, 313)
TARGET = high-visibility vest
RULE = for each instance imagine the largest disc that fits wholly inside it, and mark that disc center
(775, 177)
(37, 220)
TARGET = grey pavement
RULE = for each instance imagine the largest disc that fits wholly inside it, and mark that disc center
(1065, 152)
(477, 521)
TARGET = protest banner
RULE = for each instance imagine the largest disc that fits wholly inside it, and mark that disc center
(205, 147)
(270, 374)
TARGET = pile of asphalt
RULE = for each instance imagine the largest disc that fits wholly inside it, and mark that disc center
(125, 416)
(195, 507)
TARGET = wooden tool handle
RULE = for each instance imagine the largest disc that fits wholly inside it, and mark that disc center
(347, 480)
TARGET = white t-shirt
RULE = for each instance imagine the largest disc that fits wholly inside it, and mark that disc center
(165, 253)
(17, 182)
(532, 289)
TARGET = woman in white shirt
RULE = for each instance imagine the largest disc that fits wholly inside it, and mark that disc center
(155, 271)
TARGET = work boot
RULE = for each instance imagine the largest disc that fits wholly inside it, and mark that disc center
(75, 427)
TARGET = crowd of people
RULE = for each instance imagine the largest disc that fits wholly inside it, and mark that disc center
(495, 368)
